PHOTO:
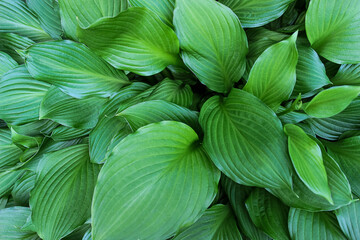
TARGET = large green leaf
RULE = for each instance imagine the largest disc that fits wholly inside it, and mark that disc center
(305, 225)
(348, 218)
(217, 223)
(331, 101)
(254, 13)
(214, 52)
(7, 63)
(163, 8)
(245, 140)
(11, 42)
(336, 34)
(49, 16)
(307, 159)
(155, 182)
(20, 96)
(86, 12)
(61, 199)
(273, 82)
(10, 153)
(11, 221)
(347, 153)
(86, 73)
(268, 213)
(347, 75)
(16, 17)
(138, 41)
(71, 112)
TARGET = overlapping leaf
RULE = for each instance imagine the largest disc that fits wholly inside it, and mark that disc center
(7, 63)
(348, 217)
(347, 75)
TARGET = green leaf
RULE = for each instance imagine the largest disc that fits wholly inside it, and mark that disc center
(86, 12)
(348, 217)
(40, 127)
(63, 133)
(237, 195)
(16, 17)
(236, 129)
(347, 152)
(20, 96)
(273, 82)
(268, 213)
(86, 73)
(159, 162)
(49, 16)
(138, 42)
(254, 13)
(307, 159)
(214, 52)
(7, 181)
(347, 75)
(22, 188)
(61, 199)
(313, 225)
(335, 35)
(11, 221)
(10, 43)
(70, 112)
(7, 63)
(163, 8)
(25, 140)
(331, 101)
(217, 223)
(10, 153)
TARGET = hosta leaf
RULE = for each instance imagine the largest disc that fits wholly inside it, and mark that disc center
(253, 13)
(268, 213)
(22, 188)
(25, 140)
(347, 153)
(87, 235)
(163, 8)
(237, 195)
(347, 75)
(86, 73)
(274, 82)
(49, 16)
(7, 181)
(71, 112)
(138, 41)
(348, 218)
(86, 12)
(333, 127)
(16, 17)
(335, 35)
(11, 221)
(20, 96)
(236, 128)
(63, 133)
(218, 222)
(331, 101)
(154, 111)
(10, 153)
(61, 199)
(78, 233)
(41, 127)
(214, 52)
(10, 43)
(3, 202)
(305, 225)
(159, 162)
(7, 63)
(307, 159)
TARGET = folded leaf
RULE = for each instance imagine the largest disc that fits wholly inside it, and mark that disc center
(63, 133)
(10, 43)
(268, 213)
(138, 41)
(347, 75)
(307, 159)
(85, 73)
(71, 112)
(218, 222)
(61, 199)
(245, 140)
(262, 12)
(150, 172)
(310, 225)
(9, 152)
(7, 63)
(214, 52)
(336, 34)
(331, 101)
(273, 81)
(348, 217)
(86, 12)
(16, 17)
(20, 96)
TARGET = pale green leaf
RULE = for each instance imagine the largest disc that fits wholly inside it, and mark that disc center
(138, 42)
(245, 140)
(212, 41)
(348, 218)
(159, 169)
(347, 75)
(7, 63)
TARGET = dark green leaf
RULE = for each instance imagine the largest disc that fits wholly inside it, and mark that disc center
(63, 133)
(348, 218)
(347, 75)
(22, 188)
